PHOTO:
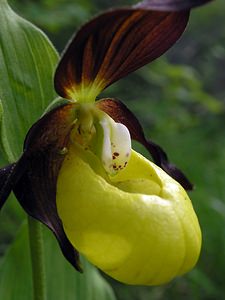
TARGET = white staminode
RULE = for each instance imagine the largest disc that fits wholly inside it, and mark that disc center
(116, 147)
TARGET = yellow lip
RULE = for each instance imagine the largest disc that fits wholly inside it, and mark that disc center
(139, 227)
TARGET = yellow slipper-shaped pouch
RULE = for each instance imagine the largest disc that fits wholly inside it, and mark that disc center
(137, 226)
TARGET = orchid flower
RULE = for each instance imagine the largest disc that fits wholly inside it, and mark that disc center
(78, 173)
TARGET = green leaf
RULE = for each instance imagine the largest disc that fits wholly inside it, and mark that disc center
(2, 155)
(63, 282)
(27, 63)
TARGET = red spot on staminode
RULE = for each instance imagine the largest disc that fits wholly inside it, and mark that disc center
(116, 154)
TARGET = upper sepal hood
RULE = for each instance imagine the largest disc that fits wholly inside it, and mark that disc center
(113, 45)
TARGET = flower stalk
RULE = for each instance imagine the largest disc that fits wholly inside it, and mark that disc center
(37, 259)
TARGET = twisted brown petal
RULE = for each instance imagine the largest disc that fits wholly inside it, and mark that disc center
(170, 5)
(121, 114)
(37, 170)
(7, 180)
(113, 45)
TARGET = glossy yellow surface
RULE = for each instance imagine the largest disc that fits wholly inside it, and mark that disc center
(139, 226)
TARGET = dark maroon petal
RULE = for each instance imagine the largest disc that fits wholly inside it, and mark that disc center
(44, 152)
(113, 45)
(170, 5)
(8, 178)
(121, 114)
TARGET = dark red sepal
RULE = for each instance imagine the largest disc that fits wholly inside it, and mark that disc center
(170, 5)
(114, 44)
(121, 114)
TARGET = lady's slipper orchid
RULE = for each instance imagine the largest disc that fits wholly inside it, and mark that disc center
(78, 174)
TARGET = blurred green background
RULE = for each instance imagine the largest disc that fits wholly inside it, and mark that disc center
(180, 101)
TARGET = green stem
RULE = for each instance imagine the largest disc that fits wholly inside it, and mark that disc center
(37, 259)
